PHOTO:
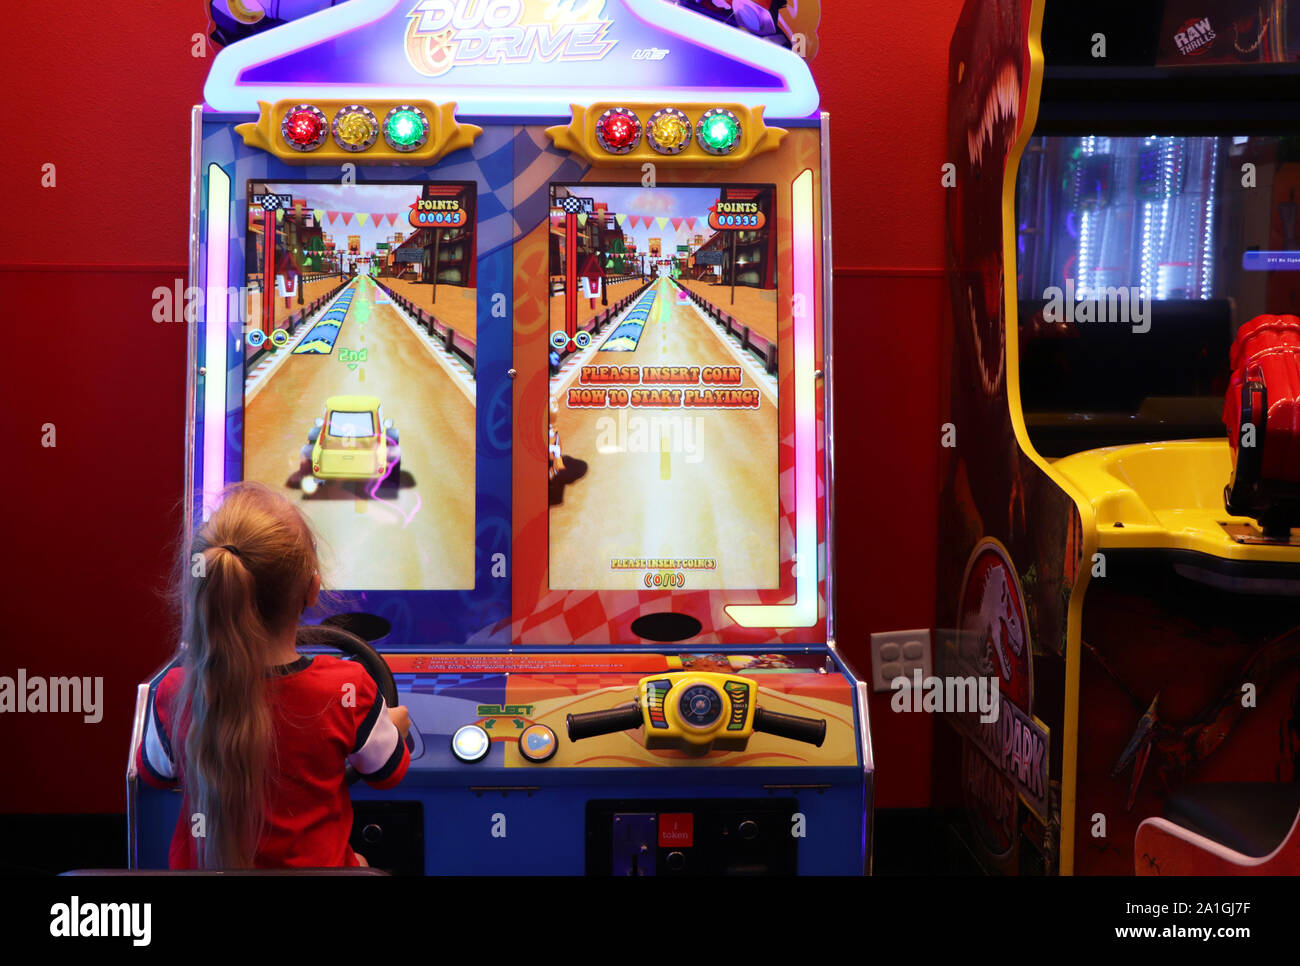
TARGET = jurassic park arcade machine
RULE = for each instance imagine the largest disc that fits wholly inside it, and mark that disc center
(1117, 512)
(526, 304)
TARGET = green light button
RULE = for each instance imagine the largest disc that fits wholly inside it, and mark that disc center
(406, 128)
(719, 131)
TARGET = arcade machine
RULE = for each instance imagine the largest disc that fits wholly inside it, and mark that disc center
(527, 305)
(1117, 511)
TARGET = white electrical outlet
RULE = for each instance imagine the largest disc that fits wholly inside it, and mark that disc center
(897, 654)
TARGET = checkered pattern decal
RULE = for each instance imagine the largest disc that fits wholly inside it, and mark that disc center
(451, 683)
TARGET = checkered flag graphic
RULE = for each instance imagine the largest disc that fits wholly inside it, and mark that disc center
(273, 202)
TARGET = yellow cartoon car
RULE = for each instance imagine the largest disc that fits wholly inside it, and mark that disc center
(352, 441)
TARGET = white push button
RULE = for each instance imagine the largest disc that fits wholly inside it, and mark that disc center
(470, 743)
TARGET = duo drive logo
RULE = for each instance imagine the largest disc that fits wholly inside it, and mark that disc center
(443, 34)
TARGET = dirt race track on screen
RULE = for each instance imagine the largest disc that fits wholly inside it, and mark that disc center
(421, 537)
(705, 492)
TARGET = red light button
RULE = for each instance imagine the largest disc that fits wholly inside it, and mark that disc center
(676, 830)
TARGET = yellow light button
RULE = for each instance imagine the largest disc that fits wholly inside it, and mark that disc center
(538, 743)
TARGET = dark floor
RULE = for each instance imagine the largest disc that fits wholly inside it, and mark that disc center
(914, 841)
(49, 844)
(907, 842)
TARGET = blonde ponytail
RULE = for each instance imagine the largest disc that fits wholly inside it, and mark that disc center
(253, 562)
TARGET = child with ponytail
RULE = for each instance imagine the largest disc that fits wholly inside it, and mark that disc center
(256, 736)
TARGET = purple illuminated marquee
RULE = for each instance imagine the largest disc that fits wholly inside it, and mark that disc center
(511, 58)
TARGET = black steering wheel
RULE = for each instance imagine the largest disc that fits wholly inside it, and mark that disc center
(323, 635)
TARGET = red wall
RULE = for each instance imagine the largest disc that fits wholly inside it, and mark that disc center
(89, 524)
(882, 69)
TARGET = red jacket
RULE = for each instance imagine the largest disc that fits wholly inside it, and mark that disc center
(326, 713)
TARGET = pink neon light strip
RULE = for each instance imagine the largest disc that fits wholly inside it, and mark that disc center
(803, 612)
(216, 334)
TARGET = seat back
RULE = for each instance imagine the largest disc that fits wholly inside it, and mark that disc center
(1262, 414)
(1164, 847)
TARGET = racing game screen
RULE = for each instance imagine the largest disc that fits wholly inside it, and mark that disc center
(359, 380)
(663, 434)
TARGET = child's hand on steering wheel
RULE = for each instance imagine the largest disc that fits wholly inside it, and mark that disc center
(401, 718)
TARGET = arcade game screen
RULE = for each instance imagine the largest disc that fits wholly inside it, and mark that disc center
(359, 388)
(1139, 259)
(663, 466)
(1162, 218)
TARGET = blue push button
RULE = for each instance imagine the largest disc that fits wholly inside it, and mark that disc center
(538, 743)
